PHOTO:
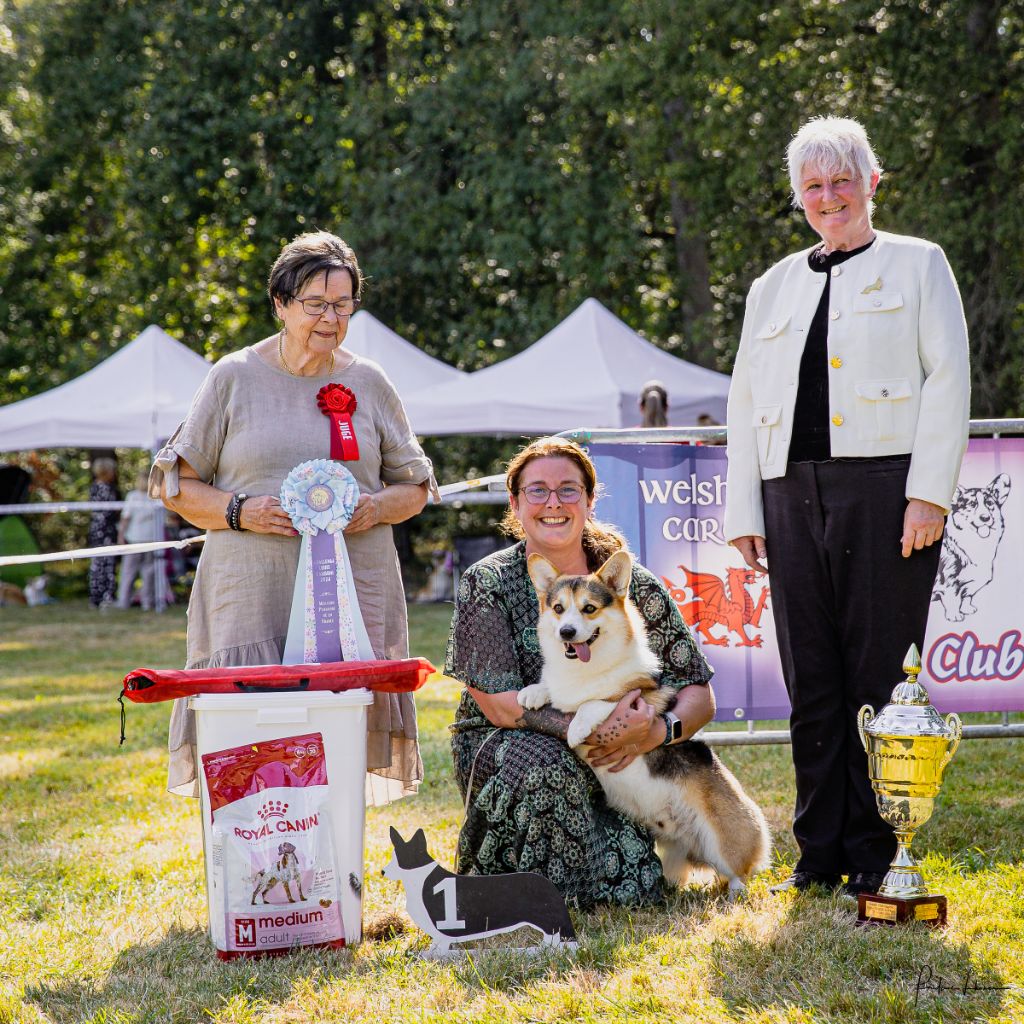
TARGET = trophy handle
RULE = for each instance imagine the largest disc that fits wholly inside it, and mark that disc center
(867, 712)
(956, 730)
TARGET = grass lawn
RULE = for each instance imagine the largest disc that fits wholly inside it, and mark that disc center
(103, 912)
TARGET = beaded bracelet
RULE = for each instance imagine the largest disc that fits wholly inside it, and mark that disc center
(233, 513)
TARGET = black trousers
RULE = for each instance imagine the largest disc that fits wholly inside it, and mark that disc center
(847, 606)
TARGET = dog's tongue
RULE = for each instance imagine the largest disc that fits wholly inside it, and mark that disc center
(582, 651)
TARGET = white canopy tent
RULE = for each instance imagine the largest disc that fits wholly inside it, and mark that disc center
(409, 368)
(133, 399)
(586, 372)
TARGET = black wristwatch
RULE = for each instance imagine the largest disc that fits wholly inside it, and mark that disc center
(233, 513)
(673, 728)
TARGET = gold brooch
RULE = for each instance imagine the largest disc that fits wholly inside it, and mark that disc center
(876, 287)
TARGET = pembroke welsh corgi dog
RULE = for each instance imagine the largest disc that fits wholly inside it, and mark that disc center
(594, 644)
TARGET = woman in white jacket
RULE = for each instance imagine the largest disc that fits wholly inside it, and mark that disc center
(848, 418)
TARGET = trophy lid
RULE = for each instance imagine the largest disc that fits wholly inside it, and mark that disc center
(910, 711)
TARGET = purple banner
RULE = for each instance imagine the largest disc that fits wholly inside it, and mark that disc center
(669, 501)
(323, 566)
(973, 653)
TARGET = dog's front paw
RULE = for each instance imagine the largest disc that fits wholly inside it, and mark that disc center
(578, 732)
(587, 718)
(535, 696)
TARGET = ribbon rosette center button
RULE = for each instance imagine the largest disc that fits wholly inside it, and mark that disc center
(319, 498)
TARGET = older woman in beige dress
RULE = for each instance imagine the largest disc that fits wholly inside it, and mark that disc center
(253, 420)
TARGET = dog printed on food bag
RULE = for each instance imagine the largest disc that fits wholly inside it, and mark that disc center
(968, 560)
(595, 650)
(285, 871)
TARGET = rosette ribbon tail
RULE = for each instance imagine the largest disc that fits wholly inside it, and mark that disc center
(325, 624)
(344, 445)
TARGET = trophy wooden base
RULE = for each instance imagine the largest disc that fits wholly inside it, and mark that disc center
(875, 909)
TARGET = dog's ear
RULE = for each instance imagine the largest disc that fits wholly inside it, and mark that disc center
(419, 841)
(396, 838)
(1000, 488)
(617, 572)
(542, 572)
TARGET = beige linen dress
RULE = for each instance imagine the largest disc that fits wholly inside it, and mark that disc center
(250, 424)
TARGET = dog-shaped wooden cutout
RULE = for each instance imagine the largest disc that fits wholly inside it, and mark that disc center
(284, 871)
(462, 908)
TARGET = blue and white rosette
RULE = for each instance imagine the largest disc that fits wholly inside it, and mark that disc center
(325, 623)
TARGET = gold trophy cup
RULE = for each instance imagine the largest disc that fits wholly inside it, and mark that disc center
(908, 746)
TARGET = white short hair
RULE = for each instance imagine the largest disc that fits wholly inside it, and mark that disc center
(831, 144)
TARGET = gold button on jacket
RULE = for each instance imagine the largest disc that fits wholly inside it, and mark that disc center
(837, 420)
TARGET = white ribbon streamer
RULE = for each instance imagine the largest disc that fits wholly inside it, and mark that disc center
(467, 485)
(109, 551)
(113, 550)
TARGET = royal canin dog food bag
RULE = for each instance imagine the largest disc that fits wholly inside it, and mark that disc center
(275, 877)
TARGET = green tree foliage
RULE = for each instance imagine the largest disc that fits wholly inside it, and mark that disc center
(493, 162)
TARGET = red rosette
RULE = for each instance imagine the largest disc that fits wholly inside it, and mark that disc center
(338, 403)
(336, 398)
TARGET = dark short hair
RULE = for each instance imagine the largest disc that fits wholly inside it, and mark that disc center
(307, 255)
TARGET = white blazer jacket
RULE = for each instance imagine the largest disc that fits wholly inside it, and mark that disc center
(899, 378)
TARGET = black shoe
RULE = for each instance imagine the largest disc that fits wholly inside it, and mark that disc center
(864, 881)
(804, 880)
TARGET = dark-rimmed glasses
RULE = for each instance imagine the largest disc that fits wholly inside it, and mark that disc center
(538, 494)
(317, 307)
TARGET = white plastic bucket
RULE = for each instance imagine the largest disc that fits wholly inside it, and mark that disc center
(233, 719)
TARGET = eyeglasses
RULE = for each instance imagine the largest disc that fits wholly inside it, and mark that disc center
(839, 183)
(538, 494)
(317, 307)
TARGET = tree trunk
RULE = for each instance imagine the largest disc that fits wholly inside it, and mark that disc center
(694, 288)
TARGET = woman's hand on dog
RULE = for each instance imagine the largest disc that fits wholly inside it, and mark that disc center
(630, 730)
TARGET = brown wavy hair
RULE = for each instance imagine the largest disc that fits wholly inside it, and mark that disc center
(600, 540)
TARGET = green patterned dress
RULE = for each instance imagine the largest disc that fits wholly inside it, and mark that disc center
(535, 806)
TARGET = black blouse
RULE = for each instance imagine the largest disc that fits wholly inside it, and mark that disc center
(811, 441)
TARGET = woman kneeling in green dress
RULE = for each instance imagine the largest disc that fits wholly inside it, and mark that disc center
(534, 805)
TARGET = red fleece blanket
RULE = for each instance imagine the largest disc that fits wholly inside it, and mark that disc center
(147, 685)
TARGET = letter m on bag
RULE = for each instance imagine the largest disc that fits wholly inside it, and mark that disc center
(245, 932)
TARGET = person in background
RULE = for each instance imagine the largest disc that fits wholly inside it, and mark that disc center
(653, 404)
(848, 418)
(705, 419)
(181, 561)
(141, 522)
(103, 531)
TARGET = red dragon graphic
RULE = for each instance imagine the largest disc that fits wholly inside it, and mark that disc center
(717, 602)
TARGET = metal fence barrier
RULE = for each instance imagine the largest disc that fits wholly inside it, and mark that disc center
(717, 435)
